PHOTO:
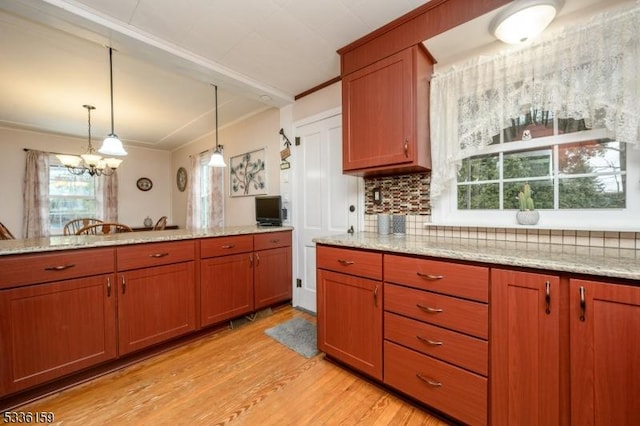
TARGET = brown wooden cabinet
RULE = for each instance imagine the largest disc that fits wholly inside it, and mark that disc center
(526, 313)
(350, 307)
(226, 278)
(605, 353)
(59, 327)
(436, 331)
(385, 110)
(156, 293)
(272, 278)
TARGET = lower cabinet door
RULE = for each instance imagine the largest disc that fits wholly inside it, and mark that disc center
(226, 287)
(272, 276)
(452, 390)
(350, 320)
(155, 304)
(50, 330)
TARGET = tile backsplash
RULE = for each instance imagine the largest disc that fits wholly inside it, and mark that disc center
(420, 225)
(407, 194)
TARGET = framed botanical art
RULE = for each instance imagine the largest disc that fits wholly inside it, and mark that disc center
(248, 174)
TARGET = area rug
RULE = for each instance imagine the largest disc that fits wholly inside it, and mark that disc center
(297, 334)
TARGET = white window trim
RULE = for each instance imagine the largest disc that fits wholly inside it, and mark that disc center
(444, 210)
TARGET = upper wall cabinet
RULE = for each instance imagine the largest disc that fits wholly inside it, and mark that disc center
(385, 113)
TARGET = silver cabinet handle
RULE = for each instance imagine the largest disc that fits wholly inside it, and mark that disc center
(257, 260)
(428, 381)
(108, 286)
(59, 267)
(406, 148)
(547, 297)
(345, 262)
(156, 255)
(124, 285)
(228, 246)
(375, 295)
(428, 309)
(429, 277)
(429, 341)
(583, 304)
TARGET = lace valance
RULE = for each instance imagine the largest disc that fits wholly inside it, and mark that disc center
(588, 72)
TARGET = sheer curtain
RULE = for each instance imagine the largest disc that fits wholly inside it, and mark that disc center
(107, 197)
(586, 72)
(35, 219)
(205, 199)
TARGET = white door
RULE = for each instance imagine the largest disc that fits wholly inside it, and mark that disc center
(327, 200)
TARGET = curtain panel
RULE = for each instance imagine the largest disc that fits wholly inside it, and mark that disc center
(205, 199)
(107, 197)
(587, 72)
(35, 219)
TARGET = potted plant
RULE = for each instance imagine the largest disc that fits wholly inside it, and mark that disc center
(527, 215)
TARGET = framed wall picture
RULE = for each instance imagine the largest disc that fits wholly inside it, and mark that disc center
(248, 174)
(144, 184)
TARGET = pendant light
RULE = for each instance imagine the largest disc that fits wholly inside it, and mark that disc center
(89, 162)
(523, 20)
(217, 160)
(112, 145)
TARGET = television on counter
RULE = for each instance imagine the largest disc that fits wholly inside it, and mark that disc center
(269, 210)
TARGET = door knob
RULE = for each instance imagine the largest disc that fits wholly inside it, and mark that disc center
(352, 208)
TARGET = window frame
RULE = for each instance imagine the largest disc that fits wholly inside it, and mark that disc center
(445, 209)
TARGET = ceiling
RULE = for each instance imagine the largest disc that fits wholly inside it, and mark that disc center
(260, 53)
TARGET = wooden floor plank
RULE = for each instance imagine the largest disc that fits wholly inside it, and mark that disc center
(238, 376)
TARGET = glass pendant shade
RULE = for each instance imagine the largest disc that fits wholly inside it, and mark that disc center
(69, 160)
(112, 146)
(217, 160)
(523, 20)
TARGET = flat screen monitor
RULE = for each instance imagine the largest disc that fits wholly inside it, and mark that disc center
(269, 210)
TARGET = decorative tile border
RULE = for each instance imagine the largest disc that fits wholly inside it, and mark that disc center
(418, 224)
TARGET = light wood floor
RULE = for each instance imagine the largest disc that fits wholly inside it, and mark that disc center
(238, 376)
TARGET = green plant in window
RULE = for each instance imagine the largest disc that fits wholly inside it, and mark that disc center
(526, 201)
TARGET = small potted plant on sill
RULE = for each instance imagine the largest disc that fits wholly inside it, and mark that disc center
(527, 215)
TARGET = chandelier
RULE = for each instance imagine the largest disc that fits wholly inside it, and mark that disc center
(89, 162)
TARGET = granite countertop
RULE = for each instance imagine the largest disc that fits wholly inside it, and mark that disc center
(70, 242)
(600, 261)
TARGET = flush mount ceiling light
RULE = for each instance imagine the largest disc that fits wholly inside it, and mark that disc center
(217, 160)
(112, 145)
(89, 162)
(523, 20)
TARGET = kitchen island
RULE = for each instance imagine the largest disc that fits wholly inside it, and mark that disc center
(486, 332)
(73, 305)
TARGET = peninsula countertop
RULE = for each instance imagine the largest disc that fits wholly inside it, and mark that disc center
(70, 242)
(598, 261)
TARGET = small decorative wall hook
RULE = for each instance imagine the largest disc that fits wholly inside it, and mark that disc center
(287, 142)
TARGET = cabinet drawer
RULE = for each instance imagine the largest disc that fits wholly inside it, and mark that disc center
(145, 255)
(455, 348)
(456, 392)
(449, 312)
(270, 240)
(349, 261)
(42, 268)
(470, 282)
(222, 246)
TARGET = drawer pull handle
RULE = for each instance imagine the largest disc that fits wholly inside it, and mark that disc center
(257, 260)
(275, 240)
(429, 276)
(429, 342)
(429, 381)
(108, 287)
(346, 262)
(406, 148)
(428, 309)
(159, 255)
(583, 304)
(59, 267)
(547, 297)
(375, 295)
(124, 285)
(228, 246)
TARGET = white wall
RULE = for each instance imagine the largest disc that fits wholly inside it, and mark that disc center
(327, 98)
(258, 131)
(133, 204)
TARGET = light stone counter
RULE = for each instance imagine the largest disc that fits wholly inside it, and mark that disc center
(599, 261)
(38, 245)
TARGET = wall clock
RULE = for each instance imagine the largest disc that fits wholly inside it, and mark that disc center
(144, 184)
(181, 179)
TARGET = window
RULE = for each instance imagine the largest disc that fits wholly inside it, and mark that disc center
(204, 192)
(70, 196)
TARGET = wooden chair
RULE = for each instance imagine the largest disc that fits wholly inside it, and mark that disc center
(73, 226)
(104, 228)
(160, 224)
(5, 234)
